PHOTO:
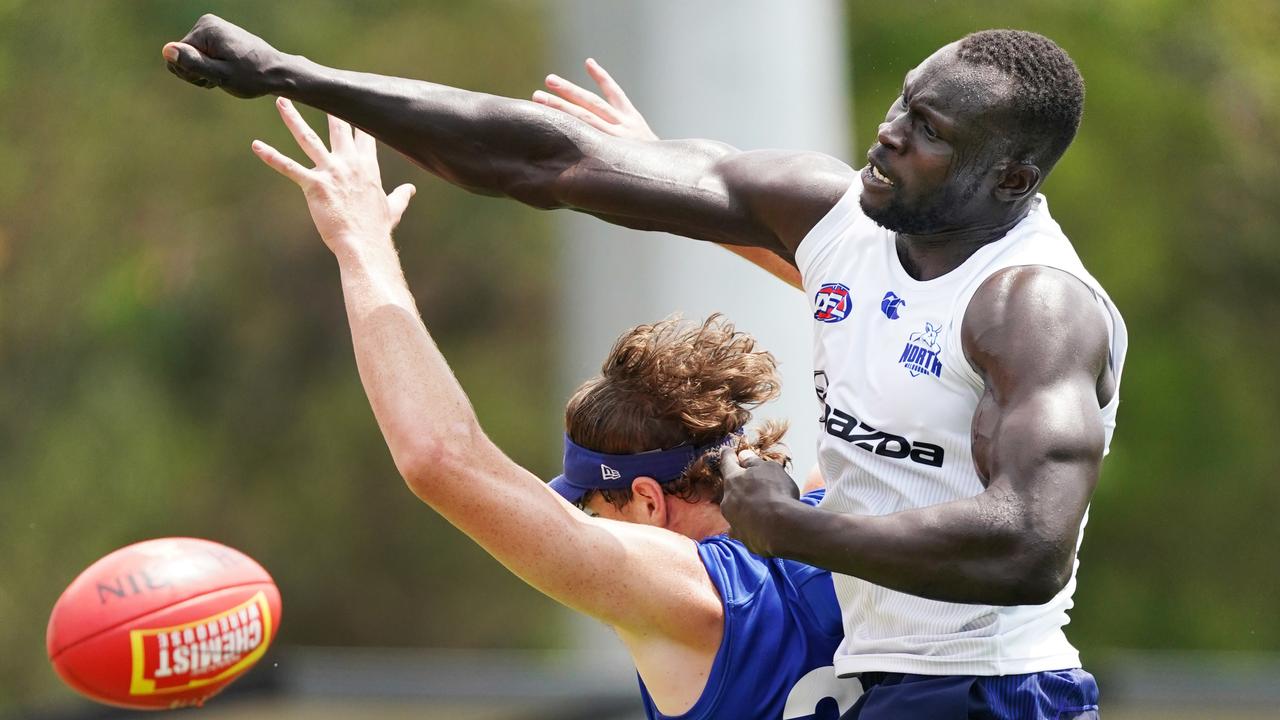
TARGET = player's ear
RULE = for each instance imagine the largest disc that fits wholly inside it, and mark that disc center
(649, 502)
(1017, 180)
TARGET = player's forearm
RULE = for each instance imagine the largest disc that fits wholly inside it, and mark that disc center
(978, 550)
(501, 146)
(430, 426)
(421, 410)
(518, 149)
(483, 143)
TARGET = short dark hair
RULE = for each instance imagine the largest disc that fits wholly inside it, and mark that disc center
(1048, 98)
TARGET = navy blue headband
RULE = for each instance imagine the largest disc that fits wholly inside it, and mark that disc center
(586, 470)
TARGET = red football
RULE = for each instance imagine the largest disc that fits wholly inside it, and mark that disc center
(163, 623)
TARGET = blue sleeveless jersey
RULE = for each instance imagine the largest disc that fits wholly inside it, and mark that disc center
(781, 628)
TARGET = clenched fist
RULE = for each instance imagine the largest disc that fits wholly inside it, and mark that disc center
(217, 53)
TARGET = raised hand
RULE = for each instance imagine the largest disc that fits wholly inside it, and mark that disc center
(613, 114)
(344, 190)
(217, 53)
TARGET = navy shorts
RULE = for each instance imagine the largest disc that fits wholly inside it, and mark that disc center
(1051, 695)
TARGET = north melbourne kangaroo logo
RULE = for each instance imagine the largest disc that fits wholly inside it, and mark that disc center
(608, 473)
(920, 356)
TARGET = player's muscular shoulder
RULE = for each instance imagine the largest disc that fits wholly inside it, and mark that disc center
(1031, 325)
(1039, 339)
(787, 191)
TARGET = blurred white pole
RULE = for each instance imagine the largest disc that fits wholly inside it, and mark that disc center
(753, 73)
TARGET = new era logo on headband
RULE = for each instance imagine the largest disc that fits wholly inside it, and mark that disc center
(586, 470)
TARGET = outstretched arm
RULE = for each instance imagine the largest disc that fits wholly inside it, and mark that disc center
(645, 581)
(519, 149)
(1038, 441)
(615, 115)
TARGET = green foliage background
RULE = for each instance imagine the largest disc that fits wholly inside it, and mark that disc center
(1171, 193)
(174, 358)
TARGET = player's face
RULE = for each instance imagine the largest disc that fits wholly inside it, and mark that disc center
(931, 169)
(597, 506)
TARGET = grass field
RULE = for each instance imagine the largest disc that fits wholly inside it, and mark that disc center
(374, 710)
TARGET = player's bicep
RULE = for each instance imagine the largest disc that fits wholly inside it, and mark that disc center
(1048, 443)
(624, 574)
(786, 192)
(669, 185)
(705, 190)
(1045, 461)
(1040, 343)
(645, 579)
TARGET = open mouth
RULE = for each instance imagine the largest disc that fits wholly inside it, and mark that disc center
(875, 173)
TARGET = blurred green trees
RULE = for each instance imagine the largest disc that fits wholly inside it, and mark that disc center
(174, 357)
(174, 349)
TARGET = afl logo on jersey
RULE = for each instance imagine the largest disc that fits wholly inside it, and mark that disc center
(831, 304)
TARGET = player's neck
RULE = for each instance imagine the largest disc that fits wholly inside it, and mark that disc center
(932, 255)
(696, 520)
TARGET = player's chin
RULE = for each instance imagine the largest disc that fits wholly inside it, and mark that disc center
(889, 213)
(876, 196)
(875, 203)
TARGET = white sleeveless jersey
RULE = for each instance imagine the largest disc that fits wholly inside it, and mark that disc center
(898, 398)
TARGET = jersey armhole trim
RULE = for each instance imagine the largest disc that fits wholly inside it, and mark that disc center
(829, 226)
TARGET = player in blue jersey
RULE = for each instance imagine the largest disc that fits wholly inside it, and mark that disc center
(715, 632)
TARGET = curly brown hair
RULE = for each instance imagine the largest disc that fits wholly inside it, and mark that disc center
(669, 384)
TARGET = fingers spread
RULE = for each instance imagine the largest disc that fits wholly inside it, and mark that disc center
(302, 132)
(282, 164)
(611, 89)
(365, 143)
(581, 97)
(366, 149)
(398, 200)
(556, 103)
(340, 138)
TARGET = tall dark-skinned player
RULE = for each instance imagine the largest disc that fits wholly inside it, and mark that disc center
(966, 363)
